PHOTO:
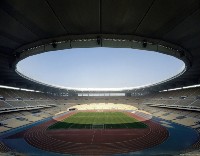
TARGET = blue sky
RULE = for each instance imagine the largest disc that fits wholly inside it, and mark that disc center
(100, 67)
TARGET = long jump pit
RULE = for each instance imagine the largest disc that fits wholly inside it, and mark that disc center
(95, 141)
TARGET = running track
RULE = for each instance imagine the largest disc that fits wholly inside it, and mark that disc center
(94, 141)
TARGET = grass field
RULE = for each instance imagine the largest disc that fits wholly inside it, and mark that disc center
(98, 120)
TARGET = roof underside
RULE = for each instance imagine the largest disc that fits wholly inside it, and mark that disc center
(24, 22)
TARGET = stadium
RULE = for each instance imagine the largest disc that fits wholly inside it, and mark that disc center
(158, 119)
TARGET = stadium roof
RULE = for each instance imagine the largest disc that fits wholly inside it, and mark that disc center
(31, 27)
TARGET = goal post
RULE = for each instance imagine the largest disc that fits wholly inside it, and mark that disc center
(98, 126)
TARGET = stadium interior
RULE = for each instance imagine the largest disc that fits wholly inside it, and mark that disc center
(42, 119)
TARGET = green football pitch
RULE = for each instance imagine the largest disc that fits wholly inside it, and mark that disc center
(98, 120)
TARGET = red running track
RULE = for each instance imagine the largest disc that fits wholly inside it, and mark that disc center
(96, 142)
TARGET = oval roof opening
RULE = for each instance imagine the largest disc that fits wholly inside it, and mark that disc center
(100, 68)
